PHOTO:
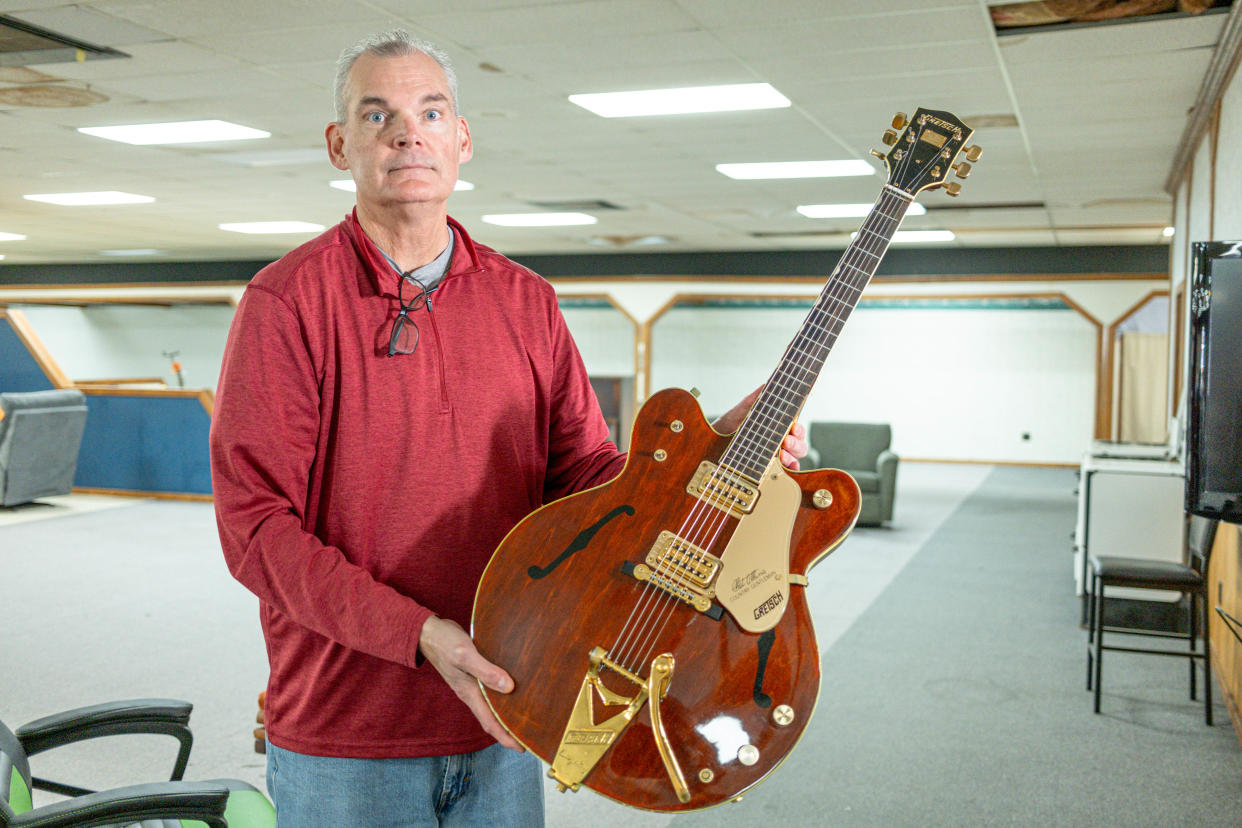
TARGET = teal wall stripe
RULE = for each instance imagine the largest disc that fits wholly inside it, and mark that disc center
(145, 444)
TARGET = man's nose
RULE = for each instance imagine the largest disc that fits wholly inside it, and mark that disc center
(406, 131)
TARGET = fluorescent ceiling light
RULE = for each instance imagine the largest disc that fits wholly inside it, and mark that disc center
(915, 236)
(538, 219)
(1, 255)
(729, 98)
(178, 132)
(1167, 232)
(797, 169)
(348, 185)
(90, 199)
(137, 251)
(272, 227)
(849, 210)
(12, 237)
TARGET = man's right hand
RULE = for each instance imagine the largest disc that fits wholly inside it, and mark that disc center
(452, 652)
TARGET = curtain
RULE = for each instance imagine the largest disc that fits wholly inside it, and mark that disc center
(1144, 387)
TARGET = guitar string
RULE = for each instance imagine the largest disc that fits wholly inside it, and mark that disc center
(838, 285)
(794, 361)
(842, 280)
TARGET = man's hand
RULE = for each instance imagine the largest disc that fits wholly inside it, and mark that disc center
(451, 651)
(792, 448)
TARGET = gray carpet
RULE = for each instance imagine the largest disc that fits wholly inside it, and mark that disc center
(953, 669)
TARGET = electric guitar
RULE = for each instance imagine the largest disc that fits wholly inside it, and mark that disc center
(656, 627)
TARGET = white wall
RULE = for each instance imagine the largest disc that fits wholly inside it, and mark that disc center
(954, 383)
(127, 341)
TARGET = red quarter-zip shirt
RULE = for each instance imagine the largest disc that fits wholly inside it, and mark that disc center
(357, 494)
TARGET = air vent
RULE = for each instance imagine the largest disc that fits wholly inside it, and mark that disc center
(576, 205)
(23, 43)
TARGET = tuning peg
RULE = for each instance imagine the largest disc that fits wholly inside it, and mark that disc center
(953, 188)
(878, 154)
(899, 120)
(962, 169)
(889, 137)
(973, 153)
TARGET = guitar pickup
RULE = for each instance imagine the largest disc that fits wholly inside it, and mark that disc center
(724, 488)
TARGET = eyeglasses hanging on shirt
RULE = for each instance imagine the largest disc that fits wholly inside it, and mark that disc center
(404, 336)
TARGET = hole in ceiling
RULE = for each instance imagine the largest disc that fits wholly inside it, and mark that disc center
(23, 43)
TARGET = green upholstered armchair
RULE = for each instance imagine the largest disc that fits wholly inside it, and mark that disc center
(862, 449)
(188, 804)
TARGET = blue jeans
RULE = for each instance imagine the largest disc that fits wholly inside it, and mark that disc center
(491, 787)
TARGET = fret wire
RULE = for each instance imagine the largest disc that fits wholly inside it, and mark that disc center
(787, 388)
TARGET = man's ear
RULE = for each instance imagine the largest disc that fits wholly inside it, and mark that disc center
(334, 135)
(466, 151)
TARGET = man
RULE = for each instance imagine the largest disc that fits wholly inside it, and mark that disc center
(393, 399)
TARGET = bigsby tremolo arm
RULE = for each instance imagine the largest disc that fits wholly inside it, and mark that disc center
(585, 741)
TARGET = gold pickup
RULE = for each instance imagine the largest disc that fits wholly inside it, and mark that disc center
(724, 488)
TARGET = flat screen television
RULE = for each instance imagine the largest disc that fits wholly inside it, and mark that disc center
(1214, 424)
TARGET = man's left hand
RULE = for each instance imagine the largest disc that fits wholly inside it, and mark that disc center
(794, 445)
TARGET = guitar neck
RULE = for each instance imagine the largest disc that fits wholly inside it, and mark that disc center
(774, 412)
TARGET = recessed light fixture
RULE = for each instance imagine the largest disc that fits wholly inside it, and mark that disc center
(177, 132)
(1, 255)
(916, 236)
(90, 199)
(849, 210)
(538, 219)
(263, 227)
(685, 100)
(1168, 232)
(797, 169)
(137, 251)
(348, 185)
(12, 237)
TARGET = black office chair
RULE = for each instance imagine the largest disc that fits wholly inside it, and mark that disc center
(1188, 579)
(217, 802)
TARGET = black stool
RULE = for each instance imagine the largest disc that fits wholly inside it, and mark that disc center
(1112, 571)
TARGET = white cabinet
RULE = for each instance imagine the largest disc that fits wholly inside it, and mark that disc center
(1129, 507)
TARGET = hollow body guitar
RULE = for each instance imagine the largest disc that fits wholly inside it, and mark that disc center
(657, 627)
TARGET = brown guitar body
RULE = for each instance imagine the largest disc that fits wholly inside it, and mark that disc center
(558, 587)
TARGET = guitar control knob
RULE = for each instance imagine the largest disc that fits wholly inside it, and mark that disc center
(973, 153)
(962, 168)
(899, 120)
(748, 754)
(953, 188)
(889, 137)
(822, 498)
(783, 715)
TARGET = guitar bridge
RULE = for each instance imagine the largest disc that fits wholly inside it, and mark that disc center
(585, 741)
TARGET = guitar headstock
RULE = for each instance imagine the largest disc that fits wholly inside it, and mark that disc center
(922, 157)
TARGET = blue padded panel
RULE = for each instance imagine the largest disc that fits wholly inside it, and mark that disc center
(18, 369)
(145, 444)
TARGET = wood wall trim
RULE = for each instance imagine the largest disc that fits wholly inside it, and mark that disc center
(125, 285)
(1023, 463)
(875, 281)
(42, 356)
(91, 301)
(145, 495)
(205, 396)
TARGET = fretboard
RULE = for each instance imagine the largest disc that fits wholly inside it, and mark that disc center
(772, 415)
